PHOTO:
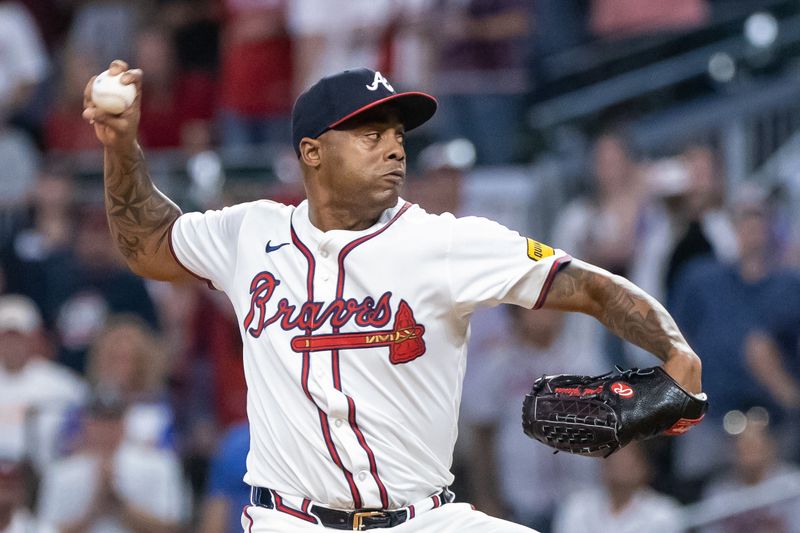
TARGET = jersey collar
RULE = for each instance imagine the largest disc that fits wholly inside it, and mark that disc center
(311, 234)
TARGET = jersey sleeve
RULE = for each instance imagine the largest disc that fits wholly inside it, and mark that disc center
(205, 244)
(490, 264)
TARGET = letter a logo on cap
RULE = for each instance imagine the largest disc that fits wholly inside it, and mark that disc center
(379, 79)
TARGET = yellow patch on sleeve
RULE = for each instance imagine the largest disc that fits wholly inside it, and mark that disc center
(537, 250)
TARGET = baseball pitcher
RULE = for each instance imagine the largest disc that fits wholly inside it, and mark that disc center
(354, 310)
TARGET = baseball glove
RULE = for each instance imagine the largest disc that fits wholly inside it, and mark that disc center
(596, 416)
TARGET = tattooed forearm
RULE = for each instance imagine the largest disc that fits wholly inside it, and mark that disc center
(139, 215)
(621, 306)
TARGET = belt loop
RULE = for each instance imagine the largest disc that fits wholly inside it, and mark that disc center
(261, 497)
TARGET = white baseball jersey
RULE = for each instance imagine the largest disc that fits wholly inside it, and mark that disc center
(355, 341)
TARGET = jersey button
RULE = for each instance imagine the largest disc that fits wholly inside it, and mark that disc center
(323, 253)
(338, 422)
(362, 475)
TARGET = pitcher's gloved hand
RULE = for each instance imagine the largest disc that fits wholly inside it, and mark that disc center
(596, 416)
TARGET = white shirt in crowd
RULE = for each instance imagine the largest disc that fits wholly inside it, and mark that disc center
(647, 511)
(352, 31)
(24, 522)
(144, 477)
(33, 403)
(23, 59)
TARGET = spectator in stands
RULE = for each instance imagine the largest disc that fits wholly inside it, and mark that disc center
(256, 72)
(195, 25)
(96, 287)
(708, 229)
(23, 66)
(718, 306)
(604, 226)
(103, 30)
(38, 253)
(21, 161)
(15, 516)
(210, 390)
(111, 483)
(52, 19)
(35, 392)
(482, 74)
(760, 484)
(176, 100)
(624, 503)
(215, 340)
(443, 166)
(685, 221)
(338, 35)
(129, 361)
(766, 362)
(226, 492)
(409, 52)
(63, 131)
(504, 464)
(24, 62)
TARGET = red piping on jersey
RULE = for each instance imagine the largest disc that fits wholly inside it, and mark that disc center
(435, 501)
(349, 247)
(175, 256)
(293, 512)
(249, 519)
(373, 466)
(556, 266)
(323, 417)
(337, 382)
(410, 512)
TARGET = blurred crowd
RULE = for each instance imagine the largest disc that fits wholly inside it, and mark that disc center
(227, 71)
(122, 401)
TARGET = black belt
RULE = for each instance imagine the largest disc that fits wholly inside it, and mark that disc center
(359, 520)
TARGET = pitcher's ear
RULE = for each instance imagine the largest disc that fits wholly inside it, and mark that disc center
(310, 152)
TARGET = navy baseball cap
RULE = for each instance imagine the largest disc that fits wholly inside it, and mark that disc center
(337, 98)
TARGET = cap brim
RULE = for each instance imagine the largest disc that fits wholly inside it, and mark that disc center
(415, 109)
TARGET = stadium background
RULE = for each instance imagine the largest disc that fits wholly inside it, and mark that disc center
(656, 139)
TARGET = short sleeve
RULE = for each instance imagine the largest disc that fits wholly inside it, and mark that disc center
(206, 244)
(490, 264)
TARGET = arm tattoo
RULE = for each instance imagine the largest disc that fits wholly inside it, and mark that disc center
(623, 308)
(139, 215)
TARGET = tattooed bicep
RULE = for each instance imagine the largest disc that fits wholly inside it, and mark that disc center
(576, 287)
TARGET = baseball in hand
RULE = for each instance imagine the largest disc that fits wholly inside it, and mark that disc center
(109, 94)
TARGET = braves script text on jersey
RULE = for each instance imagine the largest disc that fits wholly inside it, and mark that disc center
(355, 341)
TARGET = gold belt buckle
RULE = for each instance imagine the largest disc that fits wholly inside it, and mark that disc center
(359, 516)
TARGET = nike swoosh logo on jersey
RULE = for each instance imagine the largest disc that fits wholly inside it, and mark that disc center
(269, 248)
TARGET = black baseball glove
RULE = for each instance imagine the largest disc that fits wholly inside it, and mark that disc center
(596, 416)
